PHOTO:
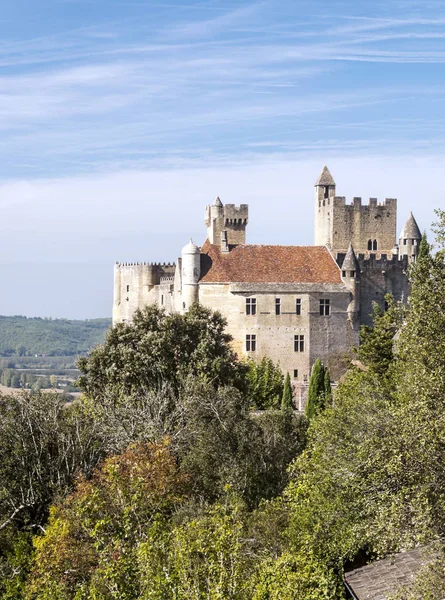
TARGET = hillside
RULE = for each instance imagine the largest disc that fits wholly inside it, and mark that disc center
(22, 336)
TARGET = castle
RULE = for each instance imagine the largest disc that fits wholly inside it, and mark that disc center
(292, 303)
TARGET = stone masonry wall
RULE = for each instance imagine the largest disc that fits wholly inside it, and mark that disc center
(356, 223)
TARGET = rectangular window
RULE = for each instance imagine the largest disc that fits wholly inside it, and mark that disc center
(298, 306)
(250, 306)
(325, 308)
(250, 342)
(128, 288)
(162, 299)
(299, 343)
(295, 373)
(278, 306)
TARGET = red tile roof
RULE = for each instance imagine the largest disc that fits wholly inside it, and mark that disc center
(268, 264)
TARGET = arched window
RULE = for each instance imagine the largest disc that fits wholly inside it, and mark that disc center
(374, 245)
(369, 244)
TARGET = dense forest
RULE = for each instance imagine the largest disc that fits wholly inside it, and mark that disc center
(184, 473)
(22, 336)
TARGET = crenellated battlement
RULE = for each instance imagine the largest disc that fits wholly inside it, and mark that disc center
(227, 218)
(340, 201)
(373, 260)
(144, 264)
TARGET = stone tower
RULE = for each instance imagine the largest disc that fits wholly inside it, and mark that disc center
(409, 239)
(227, 223)
(191, 272)
(369, 228)
(350, 273)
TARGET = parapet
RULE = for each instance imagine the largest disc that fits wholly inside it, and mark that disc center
(357, 202)
(382, 262)
(236, 214)
(144, 264)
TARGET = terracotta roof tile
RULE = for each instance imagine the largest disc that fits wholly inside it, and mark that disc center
(268, 264)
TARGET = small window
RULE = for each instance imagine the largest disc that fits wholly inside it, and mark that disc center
(250, 306)
(325, 307)
(183, 305)
(299, 343)
(298, 306)
(326, 192)
(374, 245)
(278, 306)
(343, 273)
(369, 244)
(352, 273)
(162, 299)
(128, 288)
(250, 342)
(295, 373)
(127, 298)
(414, 242)
(404, 242)
(305, 378)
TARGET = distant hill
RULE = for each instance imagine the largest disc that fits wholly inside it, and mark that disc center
(22, 336)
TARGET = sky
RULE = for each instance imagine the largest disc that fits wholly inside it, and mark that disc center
(121, 119)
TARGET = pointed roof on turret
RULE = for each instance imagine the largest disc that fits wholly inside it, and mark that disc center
(217, 201)
(411, 230)
(350, 261)
(325, 178)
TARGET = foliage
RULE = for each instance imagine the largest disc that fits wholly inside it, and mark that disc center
(157, 349)
(286, 400)
(319, 392)
(296, 576)
(90, 546)
(265, 384)
(43, 445)
(20, 336)
(205, 557)
(376, 350)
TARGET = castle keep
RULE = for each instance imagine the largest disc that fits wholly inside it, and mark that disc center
(292, 303)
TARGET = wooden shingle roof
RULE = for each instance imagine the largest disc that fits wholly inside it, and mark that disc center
(268, 264)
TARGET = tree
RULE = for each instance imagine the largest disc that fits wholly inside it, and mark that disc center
(377, 342)
(319, 392)
(157, 349)
(90, 546)
(286, 401)
(43, 445)
(265, 384)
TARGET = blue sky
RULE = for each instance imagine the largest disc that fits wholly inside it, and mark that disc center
(121, 119)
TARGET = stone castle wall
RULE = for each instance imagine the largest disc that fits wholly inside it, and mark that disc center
(138, 284)
(357, 224)
(275, 333)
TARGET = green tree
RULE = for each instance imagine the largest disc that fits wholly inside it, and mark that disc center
(316, 392)
(265, 384)
(377, 342)
(89, 549)
(286, 400)
(156, 348)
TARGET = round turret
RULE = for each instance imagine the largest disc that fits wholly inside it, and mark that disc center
(191, 272)
(409, 239)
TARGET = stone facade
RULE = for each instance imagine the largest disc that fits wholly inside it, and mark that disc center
(292, 303)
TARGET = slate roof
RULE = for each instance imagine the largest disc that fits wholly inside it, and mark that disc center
(381, 579)
(325, 178)
(411, 230)
(268, 264)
